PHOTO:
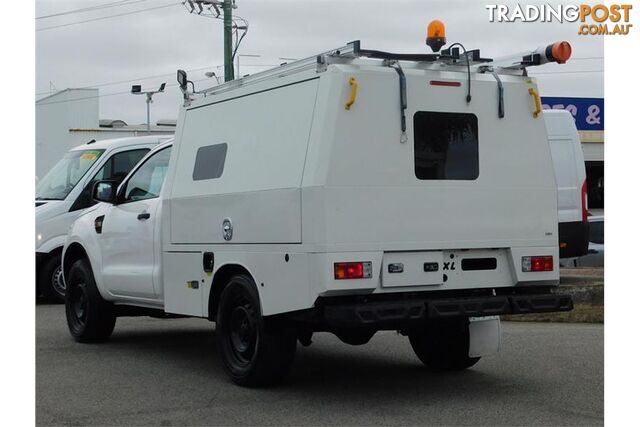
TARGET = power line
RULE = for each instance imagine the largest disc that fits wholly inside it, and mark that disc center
(535, 73)
(157, 76)
(102, 96)
(107, 17)
(92, 8)
(247, 65)
(129, 91)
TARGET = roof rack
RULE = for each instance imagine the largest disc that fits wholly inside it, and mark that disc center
(557, 52)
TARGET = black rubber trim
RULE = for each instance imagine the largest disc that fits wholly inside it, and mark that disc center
(469, 307)
(541, 304)
(548, 52)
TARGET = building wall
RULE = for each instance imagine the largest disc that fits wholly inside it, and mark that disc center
(592, 145)
(55, 115)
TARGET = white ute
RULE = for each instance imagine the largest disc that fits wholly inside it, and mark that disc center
(350, 192)
(65, 191)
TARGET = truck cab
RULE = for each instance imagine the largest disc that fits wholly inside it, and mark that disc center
(350, 192)
(65, 192)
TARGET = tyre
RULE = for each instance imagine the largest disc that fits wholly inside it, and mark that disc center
(89, 317)
(444, 345)
(50, 281)
(252, 353)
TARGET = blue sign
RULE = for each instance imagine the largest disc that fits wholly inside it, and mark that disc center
(588, 112)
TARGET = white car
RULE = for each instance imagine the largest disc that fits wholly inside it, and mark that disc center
(65, 191)
(348, 193)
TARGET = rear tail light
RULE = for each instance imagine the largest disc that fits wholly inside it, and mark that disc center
(585, 211)
(352, 270)
(537, 263)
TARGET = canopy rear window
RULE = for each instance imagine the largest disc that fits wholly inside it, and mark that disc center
(445, 146)
(210, 162)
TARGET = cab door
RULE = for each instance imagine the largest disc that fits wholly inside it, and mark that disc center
(130, 230)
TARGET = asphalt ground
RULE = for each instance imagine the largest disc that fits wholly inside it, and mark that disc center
(167, 372)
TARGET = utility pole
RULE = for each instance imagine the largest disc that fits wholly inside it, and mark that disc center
(228, 40)
(211, 9)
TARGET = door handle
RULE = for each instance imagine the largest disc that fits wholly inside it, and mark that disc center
(144, 215)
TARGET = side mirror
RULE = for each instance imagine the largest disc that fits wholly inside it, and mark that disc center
(105, 191)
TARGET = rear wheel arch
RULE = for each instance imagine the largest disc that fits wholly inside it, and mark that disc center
(220, 280)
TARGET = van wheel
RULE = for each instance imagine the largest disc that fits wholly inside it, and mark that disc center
(50, 280)
(252, 354)
(89, 317)
(444, 345)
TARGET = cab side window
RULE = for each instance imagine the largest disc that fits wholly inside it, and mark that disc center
(119, 165)
(115, 168)
(147, 181)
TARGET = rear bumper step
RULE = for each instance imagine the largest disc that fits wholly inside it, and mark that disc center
(399, 312)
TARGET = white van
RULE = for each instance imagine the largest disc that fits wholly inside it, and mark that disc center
(350, 192)
(571, 178)
(63, 193)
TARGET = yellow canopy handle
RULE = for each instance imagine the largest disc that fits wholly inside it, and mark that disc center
(354, 92)
(536, 99)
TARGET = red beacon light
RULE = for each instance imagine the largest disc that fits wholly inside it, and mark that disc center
(435, 35)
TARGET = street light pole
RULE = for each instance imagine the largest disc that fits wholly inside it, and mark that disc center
(137, 90)
(149, 101)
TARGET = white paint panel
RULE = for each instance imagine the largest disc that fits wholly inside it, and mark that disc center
(257, 217)
(283, 285)
(181, 268)
(568, 163)
(361, 177)
(267, 135)
(413, 273)
(450, 264)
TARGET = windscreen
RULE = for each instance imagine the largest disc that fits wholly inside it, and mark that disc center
(64, 176)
